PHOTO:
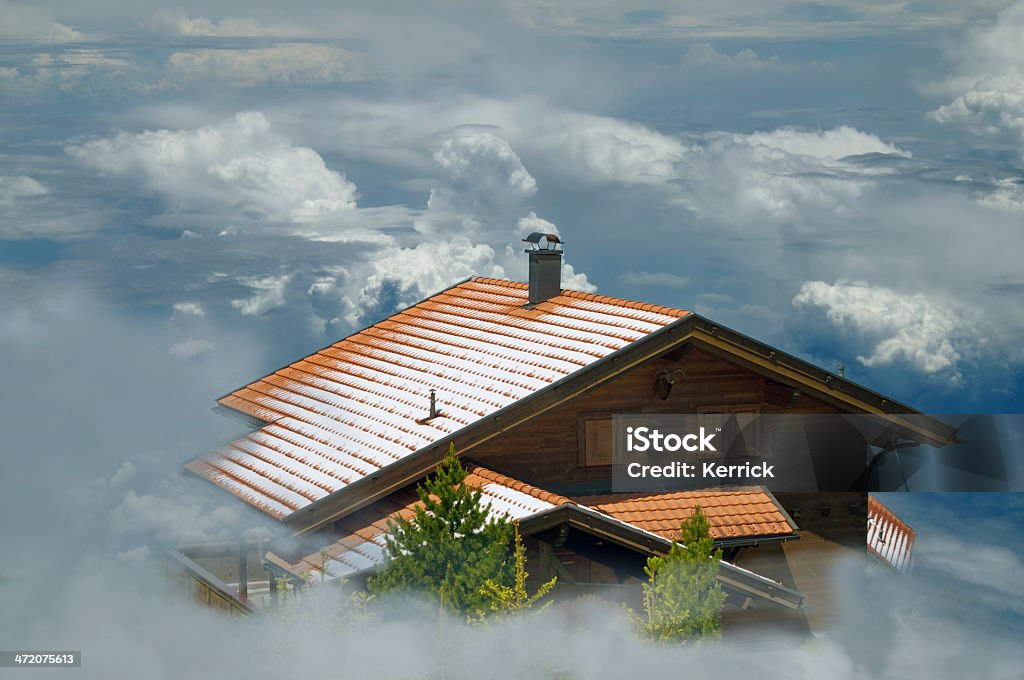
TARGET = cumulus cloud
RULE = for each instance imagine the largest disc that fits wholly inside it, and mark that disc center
(784, 175)
(531, 223)
(475, 221)
(484, 187)
(612, 150)
(19, 186)
(826, 145)
(269, 293)
(287, 64)
(703, 56)
(403, 276)
(735, 178)
(238, 166)
(907, 329)
(188, 309)
(988, 81)
(488, 162)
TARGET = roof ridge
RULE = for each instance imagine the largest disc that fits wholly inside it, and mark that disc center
(519, 285)
(630, 304)
(591, 297)
(518, 485)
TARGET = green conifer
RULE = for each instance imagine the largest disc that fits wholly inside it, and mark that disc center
(450, 548)
(682, 599)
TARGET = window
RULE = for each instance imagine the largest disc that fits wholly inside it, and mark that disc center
(596, 439)
(740, 427)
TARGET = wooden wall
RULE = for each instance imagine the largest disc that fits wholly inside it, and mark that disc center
(546, 450)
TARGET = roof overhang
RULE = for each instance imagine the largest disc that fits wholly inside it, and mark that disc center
(628, 536)
(733, 579)
(693, 329)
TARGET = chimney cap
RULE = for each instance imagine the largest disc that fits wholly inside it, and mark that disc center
(550, 241)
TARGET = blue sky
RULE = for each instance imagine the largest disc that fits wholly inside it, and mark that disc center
(841, 180)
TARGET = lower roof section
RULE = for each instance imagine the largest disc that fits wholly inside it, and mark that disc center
(739, 513)
(356, 543)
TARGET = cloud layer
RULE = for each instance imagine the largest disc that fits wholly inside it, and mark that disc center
(898, 328)
(238, 166)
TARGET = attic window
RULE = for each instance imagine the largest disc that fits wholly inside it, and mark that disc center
(740, 426)
(596, 440)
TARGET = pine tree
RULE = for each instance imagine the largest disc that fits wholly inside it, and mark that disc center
(683, 599)
(450, 548)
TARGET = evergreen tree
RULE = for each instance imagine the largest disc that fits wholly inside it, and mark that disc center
(450, 548)
(683, 599)
(515, 599)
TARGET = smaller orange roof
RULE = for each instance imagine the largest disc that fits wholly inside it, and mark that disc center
(362, 543)
(732, 513)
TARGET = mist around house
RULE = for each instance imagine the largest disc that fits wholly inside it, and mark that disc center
(193, 194)
(91, 491)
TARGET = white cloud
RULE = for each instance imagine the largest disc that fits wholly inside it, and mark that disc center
(179, 23)
(65, 70)
(1007, 195)
(734, 178)
(288, 64)
(488, 162)
(579, 147)
(826, 145)
(32, 22)
(483, 190)
(269, 294)
(654, 279)
(703, 56)
(187, 309)
(531, 223)
(908, 329)
(403, 276)
(791, 178)
(988, 83)
(238, 166)
(30, 209)
(19, 186)
(610, 150)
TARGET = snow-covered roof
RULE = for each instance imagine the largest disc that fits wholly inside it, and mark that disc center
(361, 544)
(890, 539)
(361, 404)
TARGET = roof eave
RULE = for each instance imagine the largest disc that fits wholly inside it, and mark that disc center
(635, 538)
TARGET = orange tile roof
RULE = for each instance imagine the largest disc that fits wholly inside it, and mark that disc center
(358, 539)
(361, 543)
(357, 406)
(890, 539)
(732, 513)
